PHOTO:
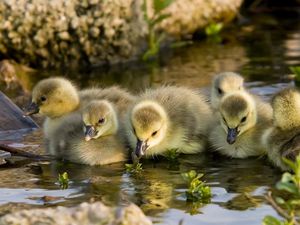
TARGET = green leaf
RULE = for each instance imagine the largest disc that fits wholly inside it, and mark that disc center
(290, 163)
(213, 29)
(295, 202)
(159, 19)
(279, 200)
(270, 220)
(286, 177)
(63, 180)
(295, 70)
(289, 187)
(134, 168)
(160, 5)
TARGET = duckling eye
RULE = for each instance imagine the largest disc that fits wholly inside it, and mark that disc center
(154, 133)
(220, 91)
(43, 98)
(101, 120)
(243, 119)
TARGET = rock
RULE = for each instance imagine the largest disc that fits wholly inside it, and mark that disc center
(70, 33)
(12, 120)
(187, 16)
(3, 156)
(85, 213)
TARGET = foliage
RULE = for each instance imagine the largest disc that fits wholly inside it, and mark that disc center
(213, 30)
(296, 70)
(197, 190)
(134, 168)
(154, 39)
(289, 184)
(63, 180)
(172, 154)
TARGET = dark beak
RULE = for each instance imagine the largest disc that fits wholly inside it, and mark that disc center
(141, 147)
(33, 108)
(90, 132)
(232, 135)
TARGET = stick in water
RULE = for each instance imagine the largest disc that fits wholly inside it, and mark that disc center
(19, 152)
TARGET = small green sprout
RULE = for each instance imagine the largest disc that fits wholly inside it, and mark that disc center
(286, 207)
(134, 168)
(213, 29)
(198, 190)
(172, 154)
(63, 180)
(154, 39)
(296, 71)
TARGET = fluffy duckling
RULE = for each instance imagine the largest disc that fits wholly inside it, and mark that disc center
(223, 84)
(283, 138)
(168, 118)
(57, 97)
(99, 121)
(54, 98)
(242, 120)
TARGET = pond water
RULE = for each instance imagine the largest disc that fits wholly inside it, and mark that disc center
(261, 51)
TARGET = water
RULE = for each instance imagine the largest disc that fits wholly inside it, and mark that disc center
(262, 51)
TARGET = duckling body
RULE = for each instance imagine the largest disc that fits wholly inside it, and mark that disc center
(225, 83)
(104, 147)
(168, 118)
(121, 98)
(242, 121)
(282, 139)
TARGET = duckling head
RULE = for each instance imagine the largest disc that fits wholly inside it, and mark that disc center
(53, 97)
(149, 124)
(223, 84)
(286, 109)
(100, 119)
(237, 114)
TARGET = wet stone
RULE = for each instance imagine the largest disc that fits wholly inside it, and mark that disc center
(3, 156)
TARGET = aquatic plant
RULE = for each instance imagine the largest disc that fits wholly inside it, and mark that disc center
(296, 71)
(63, 180)
(134, 168)
(197, 191)
(213, 30)
(172, 154)
(286, 207)
(154, 39)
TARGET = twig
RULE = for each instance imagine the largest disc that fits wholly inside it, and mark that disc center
(278, 209)
(19, 152)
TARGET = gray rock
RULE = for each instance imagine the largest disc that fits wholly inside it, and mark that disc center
(85, 213)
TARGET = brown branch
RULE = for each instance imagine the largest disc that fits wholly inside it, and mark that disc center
(19, 152)
(278, 209)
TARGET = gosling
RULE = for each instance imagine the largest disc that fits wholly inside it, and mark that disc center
(282, 139)
(242, 120)
(168, 118)
(99, 125)
(54, 98)
(57, 97)
(223, 84)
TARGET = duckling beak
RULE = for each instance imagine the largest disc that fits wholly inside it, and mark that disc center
(232, 135)
(33, 108)
(141, 147)
(90, 132)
